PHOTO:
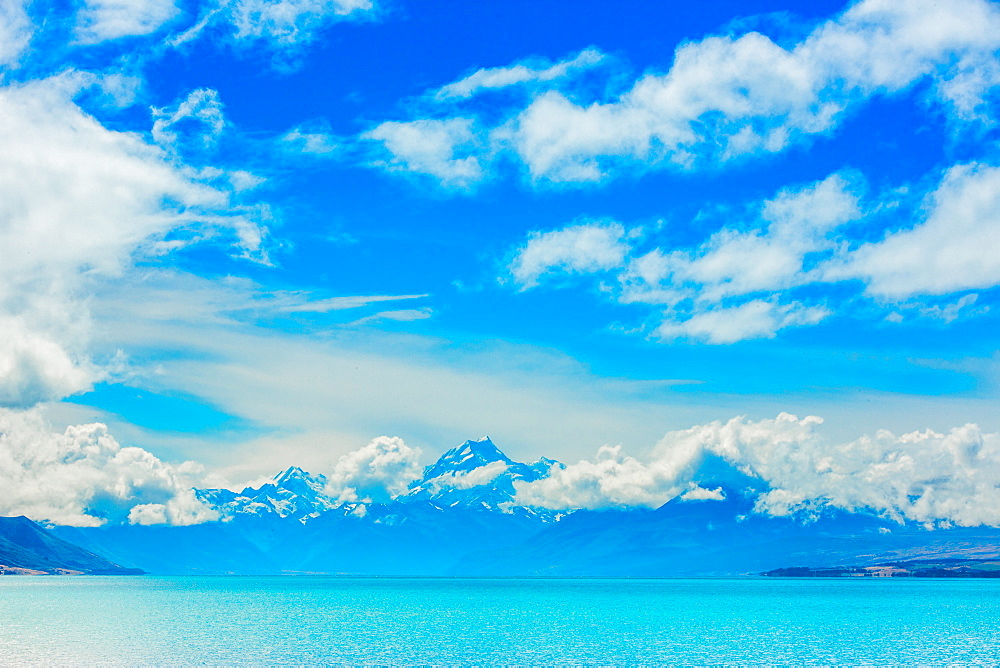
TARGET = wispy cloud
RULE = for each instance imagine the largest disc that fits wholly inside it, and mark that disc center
(101, 20)
(494, 78)
(343, 303)
(399, 315)
(16, 30)
(109, 197)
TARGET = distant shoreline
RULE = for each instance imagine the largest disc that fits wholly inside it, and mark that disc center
(929, 568)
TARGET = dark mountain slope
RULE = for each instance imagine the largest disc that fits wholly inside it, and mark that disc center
(26, 546)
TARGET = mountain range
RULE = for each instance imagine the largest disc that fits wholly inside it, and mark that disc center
(461, 518)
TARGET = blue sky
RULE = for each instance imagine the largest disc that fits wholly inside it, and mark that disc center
(261, 233)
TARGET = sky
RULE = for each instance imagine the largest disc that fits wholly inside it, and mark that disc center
(237, 236)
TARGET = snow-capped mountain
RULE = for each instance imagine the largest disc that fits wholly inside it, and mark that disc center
(459, 518)
(475, 475)
(292, 493)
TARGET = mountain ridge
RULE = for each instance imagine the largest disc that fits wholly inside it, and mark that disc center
(461, 518)
(27, 548)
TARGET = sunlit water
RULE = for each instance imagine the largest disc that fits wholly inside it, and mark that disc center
(324, 620)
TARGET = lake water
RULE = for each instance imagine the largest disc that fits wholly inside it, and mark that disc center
(323, 620)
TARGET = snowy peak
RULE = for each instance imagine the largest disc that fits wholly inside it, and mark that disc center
(478, 475)
(291, 493)
(466, 457)
(297, 482)
(290, 474)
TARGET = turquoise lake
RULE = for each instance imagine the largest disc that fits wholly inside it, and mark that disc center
(324, 620)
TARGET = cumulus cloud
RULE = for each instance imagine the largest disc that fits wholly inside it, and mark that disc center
(731, 287)
(797, 261)
(377, 472)
(37, 363)
(586, 248)
(733, 96)
(438, 148)
(101, 20)
(84, 477)
(108, 197)
(726, 97)
(698, 493)
(16, 30)
(494, 78)
(952, 249)
(757, 319)
(613, 479)
(921, 476)
(795, 225)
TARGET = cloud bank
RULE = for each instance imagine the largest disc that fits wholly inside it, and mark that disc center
(922, 476)
(84, 477)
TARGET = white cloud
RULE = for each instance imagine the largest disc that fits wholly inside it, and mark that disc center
(697, 493)
(38, 364)
(586, 248)
(312, 140)
(16, 30)
(197, 119)
(342, 303)
(794, 227)
(502, 77)
(100, 20)
(338, 388)
(751, 320)
(751, 279)
(729, 288)
(612, 479)
(921, 476)
(107, 197)
(437, 148)
(376, 472)
(83, 477)
(952, 249)
(283, 27)
(289, 22)
(728, 97)
(468, 479)
(399, 315)
(953, 311)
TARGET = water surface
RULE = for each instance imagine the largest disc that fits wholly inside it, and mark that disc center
(323, 620)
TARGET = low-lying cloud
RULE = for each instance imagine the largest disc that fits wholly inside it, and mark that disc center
(922, 476)
(84, 477)
(377, 472)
